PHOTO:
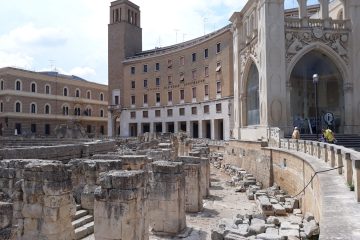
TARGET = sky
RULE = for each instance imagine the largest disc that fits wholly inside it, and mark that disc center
(71, 35)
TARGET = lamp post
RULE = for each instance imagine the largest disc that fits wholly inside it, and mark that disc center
(315, 81)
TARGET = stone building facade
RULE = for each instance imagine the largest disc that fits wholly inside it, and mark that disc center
(243, 80)
(49, 104)
(186, 87)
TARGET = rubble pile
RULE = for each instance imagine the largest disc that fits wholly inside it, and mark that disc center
(259, 226)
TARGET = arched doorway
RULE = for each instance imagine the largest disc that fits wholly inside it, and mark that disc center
(329, 92)
(252, 96)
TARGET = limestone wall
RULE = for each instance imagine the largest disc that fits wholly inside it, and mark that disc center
(252, 157)
(58, 152)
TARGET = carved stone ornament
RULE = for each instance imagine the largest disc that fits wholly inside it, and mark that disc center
(296, 40)
(250, 50)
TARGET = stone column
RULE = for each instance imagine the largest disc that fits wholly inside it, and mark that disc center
(331, 156)
(110, 124)
(139, 129)
(348, 171)
(152, 127)
(176, 127)
(356, 169)
(188, 129)
(193, 197)
(302, 8)
(121, 210)
(338, 160)
(200, 129)
(163, 126)
(212, 127)
(167, 198)
(324, 9)
(48, 205)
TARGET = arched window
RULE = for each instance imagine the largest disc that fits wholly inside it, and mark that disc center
(1, 107)
(77, 111)
(88, 94)
(65, 92)
(65, 109)
(33, 87)
(2, 85)
(18, 85)
(18, 107)
(101, 97)
(47, 89)
(33, 108)
(47, 109)
(252, 96)
(101, 113)
(88, 111)
(77, 93)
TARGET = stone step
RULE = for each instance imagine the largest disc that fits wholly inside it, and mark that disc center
(78, 207)
(84, 230)
(80, 213)
(82, 221)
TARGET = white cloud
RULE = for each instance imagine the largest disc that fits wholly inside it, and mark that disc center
(83, 72)
(15, 59)
(28, 36)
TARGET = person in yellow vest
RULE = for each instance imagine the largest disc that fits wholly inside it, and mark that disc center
(296, 133)
(329, 136)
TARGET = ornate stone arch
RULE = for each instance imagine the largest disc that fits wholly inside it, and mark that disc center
(329, 52)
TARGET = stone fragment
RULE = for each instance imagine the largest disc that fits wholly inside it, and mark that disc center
(268, 236)
(279, 210)
(273, 220)
(308, 216)
(311, 228)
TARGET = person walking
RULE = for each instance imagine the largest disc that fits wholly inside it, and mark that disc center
(296, 133)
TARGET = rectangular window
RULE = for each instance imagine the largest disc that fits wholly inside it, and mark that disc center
(206, 109)
(206, 53)
(145, 83)
(169, 112)
(132, 70)
(133, 100)
(194, 92)
(157, 97)
(206, 71)
(169, 80)
(182, 77)
(218, 107)
(194, 74)
(206, 89)
(182, 111)
(182, 60)
(193, 57)
(145, 68)
(157, 113)
(218, 87)
(218, 47)
(218, 66)
(47, 129)
(157, 82)
(157, 66)
(33, 128)
(145, 98)
(133, 114)
(132, 84)
(47, 89)
(145, 114)
(116, 100)
(169, 96)
(182, 94)
(169, 63)
(194, 110)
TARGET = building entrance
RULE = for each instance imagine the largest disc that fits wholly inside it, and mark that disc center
(329, 94)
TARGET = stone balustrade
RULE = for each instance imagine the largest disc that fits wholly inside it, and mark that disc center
(346, 160)
(332, 24)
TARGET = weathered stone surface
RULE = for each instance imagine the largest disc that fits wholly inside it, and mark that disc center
(121, 212)
(267, 236)
(311, 228)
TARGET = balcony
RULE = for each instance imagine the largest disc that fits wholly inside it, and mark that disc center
(330, 24)
(114, 108)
